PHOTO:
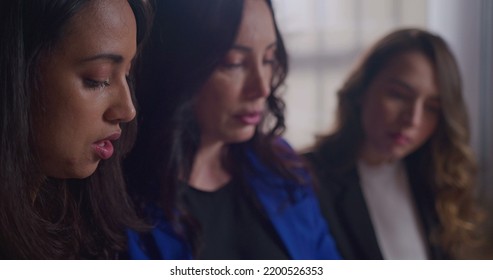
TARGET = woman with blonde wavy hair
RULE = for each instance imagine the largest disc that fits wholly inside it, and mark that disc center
(397, 175)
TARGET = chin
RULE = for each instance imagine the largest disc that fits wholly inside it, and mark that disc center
(398, 155)
(88, 171)
(241, 137)
(76, 172)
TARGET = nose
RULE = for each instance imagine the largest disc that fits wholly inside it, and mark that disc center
(122, 107)
(414, 114)
(259, 82)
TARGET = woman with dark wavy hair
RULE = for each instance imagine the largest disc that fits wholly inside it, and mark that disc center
(397, 174)
(209, 166)
(65, 123)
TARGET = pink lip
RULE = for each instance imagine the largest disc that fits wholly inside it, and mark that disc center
(104, 148)
(400, 139)
(250, 118)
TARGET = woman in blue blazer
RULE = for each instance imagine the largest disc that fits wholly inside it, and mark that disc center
(209, 168)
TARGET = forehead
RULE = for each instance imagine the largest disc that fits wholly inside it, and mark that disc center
(413, 69)
(257, 24)
(100, 26)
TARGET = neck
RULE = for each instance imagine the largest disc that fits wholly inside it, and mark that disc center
(208, 172)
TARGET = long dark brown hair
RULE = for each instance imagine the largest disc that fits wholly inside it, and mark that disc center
(445, 163)
(188, 41)
(40, 217)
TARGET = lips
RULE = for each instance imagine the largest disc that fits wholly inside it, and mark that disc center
(250, 117)
(104, 148)
(400, 139)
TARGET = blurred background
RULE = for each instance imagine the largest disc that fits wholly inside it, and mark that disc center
(325, 39)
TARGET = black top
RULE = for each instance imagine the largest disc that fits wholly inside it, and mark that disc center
(233, 226)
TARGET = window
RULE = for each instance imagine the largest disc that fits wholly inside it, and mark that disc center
(324, 39)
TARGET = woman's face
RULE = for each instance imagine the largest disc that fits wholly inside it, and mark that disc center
(84, 90)
(232, 101)
(400, 109)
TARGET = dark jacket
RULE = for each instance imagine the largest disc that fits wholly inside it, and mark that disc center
(343, 205)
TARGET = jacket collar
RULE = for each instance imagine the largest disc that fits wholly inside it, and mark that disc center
(291, 209)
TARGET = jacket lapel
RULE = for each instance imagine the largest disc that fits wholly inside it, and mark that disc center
(354, 217)
(304, 235)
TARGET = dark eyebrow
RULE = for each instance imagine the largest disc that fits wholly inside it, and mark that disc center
(272, 45)
(409, 88)
(248, 49)
(115, 58)
(402, 84)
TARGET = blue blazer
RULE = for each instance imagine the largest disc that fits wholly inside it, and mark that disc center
(295, 215)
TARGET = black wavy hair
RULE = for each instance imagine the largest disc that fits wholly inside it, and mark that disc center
(188, 41)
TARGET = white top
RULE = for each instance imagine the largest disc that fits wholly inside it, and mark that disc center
(392, 211)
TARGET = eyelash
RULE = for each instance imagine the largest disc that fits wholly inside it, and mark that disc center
(396, 94)
(241, 64)
(433, 108)
(232, 65)
(94, 84)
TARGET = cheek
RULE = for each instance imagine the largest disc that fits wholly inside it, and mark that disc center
(209, 111)
(216, 99)
(390, 110)
(206, 117)
(67, 126)
(71, 113)
(374, 117)
(428, 128)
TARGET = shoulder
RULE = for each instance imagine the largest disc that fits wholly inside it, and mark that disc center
(283, 143)
(333, 170)
(331, 157)
(277, 147)
(289, 176)
(161, 242)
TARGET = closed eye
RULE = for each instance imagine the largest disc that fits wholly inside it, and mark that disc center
(96, 84)
(232, 65)
(433, 107)
(398, 95)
